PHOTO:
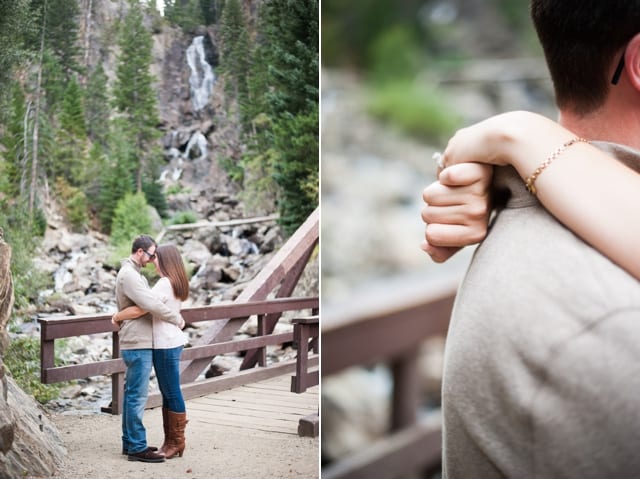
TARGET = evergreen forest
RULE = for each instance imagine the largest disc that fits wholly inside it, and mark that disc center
(73, 135)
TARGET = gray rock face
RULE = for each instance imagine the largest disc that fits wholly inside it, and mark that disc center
(30, 445)
(6, 292)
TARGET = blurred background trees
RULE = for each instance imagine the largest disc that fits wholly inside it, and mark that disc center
(399, 47)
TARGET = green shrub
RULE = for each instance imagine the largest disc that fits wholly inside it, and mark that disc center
(413, 109)
(24, 237)
(395, 54)
(183, 218)
(74, 203)
(174, 189)
(232, 168)
(130, 219)
(22, 359)
(77, 211)
(155, 197)
(260, 192)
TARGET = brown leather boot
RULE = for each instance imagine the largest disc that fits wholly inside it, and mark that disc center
(177, 423)
(165, 426)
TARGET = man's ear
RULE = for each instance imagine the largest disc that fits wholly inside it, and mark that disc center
(632, 62)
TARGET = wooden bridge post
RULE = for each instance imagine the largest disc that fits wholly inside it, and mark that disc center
(406, 391)
(117, 381)
(303, 329)
(262, 331)
(47, 357)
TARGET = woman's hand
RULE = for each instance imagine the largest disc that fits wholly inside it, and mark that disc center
(456, 210)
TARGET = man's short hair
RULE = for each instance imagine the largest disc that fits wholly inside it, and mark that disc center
(582, 39)
(142, 241)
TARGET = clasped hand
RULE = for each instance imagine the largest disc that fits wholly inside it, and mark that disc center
(456, 209)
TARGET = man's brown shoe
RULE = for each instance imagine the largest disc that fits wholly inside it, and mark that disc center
(125, 452)
(146, 456)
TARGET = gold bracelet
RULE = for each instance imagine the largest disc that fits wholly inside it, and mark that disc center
(530, 182)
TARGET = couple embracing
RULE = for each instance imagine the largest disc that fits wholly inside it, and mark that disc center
(150, 334)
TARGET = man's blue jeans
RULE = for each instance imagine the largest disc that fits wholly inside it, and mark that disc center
(166, 362)
(136, 390)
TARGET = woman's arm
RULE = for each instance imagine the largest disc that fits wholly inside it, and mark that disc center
(132, 312)
(593, 194)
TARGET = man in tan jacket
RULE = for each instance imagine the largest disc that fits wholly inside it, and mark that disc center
(542, 363)
(136, 344)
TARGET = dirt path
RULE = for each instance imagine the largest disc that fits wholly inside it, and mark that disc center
(246, 432)
(213, 451)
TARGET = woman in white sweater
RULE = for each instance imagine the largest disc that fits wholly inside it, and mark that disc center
(168, 342)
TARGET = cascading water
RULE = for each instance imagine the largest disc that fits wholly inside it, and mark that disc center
(201, 82)
(197, 146)
(202, 76)
(63, 274)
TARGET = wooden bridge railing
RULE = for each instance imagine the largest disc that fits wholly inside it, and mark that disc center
(70, 326)
(390, 333)
(277, 280)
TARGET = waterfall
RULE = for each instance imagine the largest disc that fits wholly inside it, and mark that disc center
(202, 76)
(197, 147)
(63, 274)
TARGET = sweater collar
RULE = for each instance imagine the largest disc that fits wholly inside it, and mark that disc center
(135, 265)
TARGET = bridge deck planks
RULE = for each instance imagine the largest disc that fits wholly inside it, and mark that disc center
(267, 406)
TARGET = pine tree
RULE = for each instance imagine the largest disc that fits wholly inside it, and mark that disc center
(69, 159)
(187, 14)
(231, 23)
(296, 172)
(283, 106)
(61, 36)
(97, 106)
(209, 10)
(235, 51)
(117, 178)
(290, 44)
(14, 142)
(16, 26)
(133, 92)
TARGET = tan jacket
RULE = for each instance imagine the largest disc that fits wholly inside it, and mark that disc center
(542, 359)
(133, 289)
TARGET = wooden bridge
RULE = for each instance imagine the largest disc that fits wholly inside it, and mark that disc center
(266, 297)
(391, 331)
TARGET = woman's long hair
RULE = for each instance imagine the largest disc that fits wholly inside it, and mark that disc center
(171, 265)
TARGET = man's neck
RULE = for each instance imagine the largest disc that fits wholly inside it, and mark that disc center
(135, 261)
(610, 123)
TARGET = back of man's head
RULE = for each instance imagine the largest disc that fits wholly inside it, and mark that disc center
(143, 242)
(582, 39)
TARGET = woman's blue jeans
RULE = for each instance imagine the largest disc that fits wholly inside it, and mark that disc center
(166, 362)
(136, 390)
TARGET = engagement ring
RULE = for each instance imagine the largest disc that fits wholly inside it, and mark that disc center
(439, 159)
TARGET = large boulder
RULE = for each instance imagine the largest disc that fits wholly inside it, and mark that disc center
(30, 445)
